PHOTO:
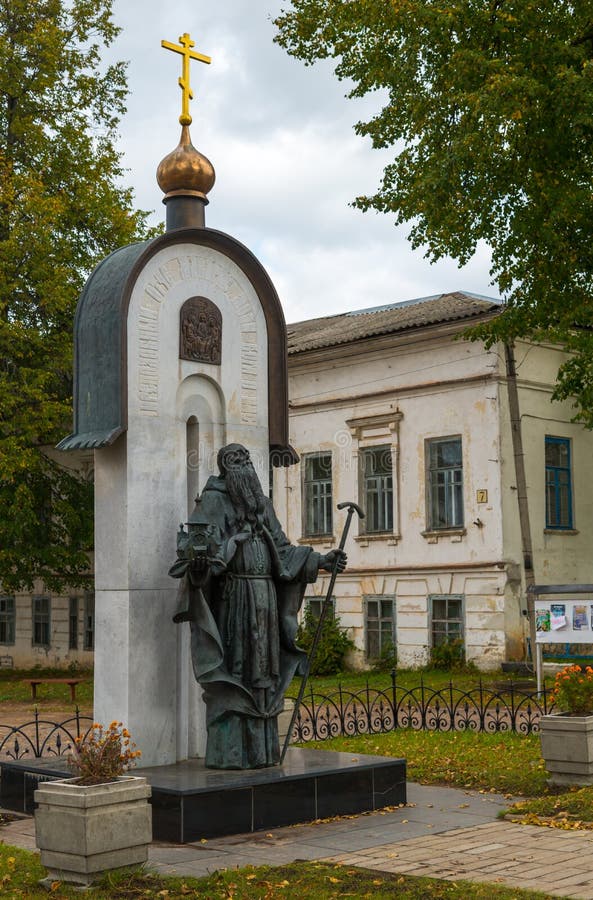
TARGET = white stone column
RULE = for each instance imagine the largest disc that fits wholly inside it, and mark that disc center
(143, 671)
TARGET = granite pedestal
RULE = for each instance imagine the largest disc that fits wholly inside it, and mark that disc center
(190, 802)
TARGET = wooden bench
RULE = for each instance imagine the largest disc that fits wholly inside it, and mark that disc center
(71, 682)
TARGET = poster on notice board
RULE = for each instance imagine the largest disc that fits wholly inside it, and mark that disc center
(564, 621)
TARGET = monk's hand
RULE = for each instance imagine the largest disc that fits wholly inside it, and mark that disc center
(217, 565)
(335, 558)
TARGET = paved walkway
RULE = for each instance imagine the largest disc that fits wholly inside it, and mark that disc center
(443, 833)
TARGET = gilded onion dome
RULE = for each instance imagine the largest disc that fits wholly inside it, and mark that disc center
(186, 171)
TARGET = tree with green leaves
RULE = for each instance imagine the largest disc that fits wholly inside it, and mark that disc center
(488, 106)
(62, 208)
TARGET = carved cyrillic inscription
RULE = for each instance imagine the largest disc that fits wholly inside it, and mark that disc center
(200, 331)
(249, 359)
(148, 361)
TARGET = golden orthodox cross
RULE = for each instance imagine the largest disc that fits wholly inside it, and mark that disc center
(185, 49)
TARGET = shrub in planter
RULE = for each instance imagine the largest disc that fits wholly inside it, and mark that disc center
(103, 755)
(567, 736)
(573, 691)
(99, 820)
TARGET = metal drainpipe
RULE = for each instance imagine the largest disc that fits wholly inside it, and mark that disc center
(522, 498)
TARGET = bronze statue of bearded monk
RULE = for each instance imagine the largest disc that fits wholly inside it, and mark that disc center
(243, 587)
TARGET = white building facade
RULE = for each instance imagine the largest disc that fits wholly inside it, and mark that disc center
(390, 409)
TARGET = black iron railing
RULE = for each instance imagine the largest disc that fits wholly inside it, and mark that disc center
(373, 710)
(41, 737)
(370, 710)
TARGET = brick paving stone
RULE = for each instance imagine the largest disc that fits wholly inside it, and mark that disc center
(404, 868)
(476, 847)
(574, 882)
(486, 848)
(493, 868)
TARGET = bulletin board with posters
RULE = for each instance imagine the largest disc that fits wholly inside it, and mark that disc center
(563, 614)
(563, 621)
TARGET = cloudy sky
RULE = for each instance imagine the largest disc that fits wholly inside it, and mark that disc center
(287, 160)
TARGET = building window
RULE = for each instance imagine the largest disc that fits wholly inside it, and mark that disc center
(445, 483)
(558, 483)
(41, 618)
(315, 605)
(380, 626)
(89, 622)
(447, 619)
(73, 624)
(7, 619)
(318, 494)
(377, 473)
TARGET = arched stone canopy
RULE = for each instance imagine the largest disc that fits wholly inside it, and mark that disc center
(100, 336)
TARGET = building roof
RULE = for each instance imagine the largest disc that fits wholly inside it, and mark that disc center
(344, 328)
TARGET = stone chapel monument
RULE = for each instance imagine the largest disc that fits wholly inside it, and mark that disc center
(180, 349)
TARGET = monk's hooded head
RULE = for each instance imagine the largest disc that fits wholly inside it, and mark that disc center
(242, 484)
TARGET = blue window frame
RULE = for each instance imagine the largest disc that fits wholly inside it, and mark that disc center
(445, 483)
(558, 483)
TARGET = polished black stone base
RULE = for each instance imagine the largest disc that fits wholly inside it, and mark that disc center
(190, 802)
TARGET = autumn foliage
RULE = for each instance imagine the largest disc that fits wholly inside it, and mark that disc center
(573, 690)
(487, 107)
(104, 754)
(63, 207)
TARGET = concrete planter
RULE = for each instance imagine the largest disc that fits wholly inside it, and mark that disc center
(85, 830)
(567, 748)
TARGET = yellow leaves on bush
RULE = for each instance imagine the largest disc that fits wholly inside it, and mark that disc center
(103, 754)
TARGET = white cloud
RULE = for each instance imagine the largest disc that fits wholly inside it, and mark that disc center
(287, 160)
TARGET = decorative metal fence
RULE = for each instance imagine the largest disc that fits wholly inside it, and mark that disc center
(376, 711)
(346, 713)
(41, 737)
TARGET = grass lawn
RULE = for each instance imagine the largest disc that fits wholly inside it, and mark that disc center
(436, 679)
(14, 688)
(505, 763)
(568, 809)
(509, 764)
(20, 872)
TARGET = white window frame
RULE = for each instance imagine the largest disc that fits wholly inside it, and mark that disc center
(369, 433)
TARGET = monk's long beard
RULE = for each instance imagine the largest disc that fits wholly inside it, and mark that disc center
(246, 495)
